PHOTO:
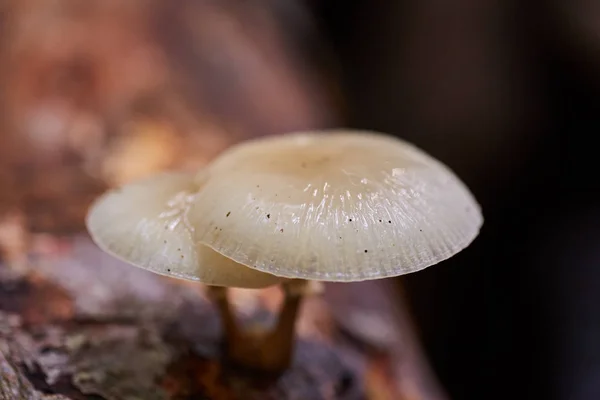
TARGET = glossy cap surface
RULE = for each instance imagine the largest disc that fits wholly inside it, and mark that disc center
(144, 223)
(334, 206)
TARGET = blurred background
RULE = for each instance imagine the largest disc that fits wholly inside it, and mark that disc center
(96, 93)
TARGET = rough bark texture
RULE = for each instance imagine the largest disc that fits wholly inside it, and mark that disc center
(97, 95)
(85, 326)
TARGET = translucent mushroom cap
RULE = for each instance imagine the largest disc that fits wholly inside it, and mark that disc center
(333, 206)
(144, 223)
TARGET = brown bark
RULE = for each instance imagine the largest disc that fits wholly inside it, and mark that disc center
(98, 95)
(86, 325)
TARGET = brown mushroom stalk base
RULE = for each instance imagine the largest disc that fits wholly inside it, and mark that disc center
(268, 351)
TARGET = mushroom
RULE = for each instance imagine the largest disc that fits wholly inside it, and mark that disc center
(145, 223)
(337, 206)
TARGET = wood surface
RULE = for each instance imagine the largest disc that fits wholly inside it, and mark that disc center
(96, 96)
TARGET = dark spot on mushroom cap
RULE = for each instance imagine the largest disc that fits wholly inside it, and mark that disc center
(350, 219)
(390, 221)
(168, 269)
(165, 242)
(228, 214)
(268, 215)
(281, 230)
(420, 230)
(182, 256)
(366, 251)
(179, 249)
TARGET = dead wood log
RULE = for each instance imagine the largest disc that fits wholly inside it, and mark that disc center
(84, 91)
(84, 326)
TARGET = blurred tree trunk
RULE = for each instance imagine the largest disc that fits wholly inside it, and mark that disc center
(98, 94)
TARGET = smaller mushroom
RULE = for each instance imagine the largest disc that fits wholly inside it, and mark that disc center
(145, 223)
(337, 206)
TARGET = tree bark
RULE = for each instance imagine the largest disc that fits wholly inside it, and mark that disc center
(99, 95)
(84, 326)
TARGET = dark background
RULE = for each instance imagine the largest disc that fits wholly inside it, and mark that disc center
(506, 93)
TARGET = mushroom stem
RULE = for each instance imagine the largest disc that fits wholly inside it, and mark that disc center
(259, 350)
(278, 345)
(280, 341)
(234, 338)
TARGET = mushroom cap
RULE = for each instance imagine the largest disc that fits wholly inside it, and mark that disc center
(144, 224)
(333, 206)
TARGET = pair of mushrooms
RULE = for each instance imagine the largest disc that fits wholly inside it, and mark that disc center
(295, 210)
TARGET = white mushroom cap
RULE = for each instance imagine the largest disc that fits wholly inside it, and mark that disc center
(144, 223)
(333, 206)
